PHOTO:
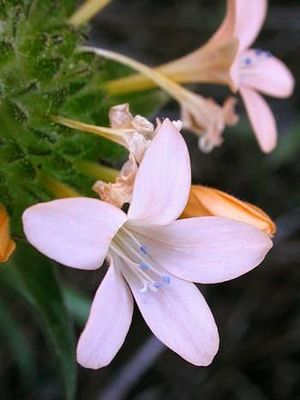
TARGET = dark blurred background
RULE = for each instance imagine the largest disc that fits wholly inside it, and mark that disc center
(258, 315)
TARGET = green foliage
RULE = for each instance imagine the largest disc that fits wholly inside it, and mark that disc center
(31, 276)
(42, 74)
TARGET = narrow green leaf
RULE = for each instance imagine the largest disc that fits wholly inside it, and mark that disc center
(12, 335)
(32, 276)
(77, 304)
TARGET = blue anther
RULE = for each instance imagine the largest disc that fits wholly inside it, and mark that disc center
(258, 52)
(144, 266)
(268, 54)
(247, 61)
(157, 285)
(143, 249)
(166, 279)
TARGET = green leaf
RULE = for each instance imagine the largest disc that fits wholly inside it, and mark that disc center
(77, 304)
(32, 276)
(12, 335)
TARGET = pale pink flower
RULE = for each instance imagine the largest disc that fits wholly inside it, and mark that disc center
(256, 71)
(152, 255)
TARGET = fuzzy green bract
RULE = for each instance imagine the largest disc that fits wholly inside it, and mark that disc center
(42, 74)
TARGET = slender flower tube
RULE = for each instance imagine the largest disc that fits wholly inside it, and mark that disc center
(203, 116)
(87, 11)
(210, 63)
(204, 201)
(58, 189)
(7, 245)
(132, 132)
(154, 258)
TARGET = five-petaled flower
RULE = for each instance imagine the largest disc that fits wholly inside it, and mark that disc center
(153, 256)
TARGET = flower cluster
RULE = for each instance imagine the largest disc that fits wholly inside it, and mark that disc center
(158, 233)
(151, 251)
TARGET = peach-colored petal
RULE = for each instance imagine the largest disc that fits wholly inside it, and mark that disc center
(179, 316)
(206, 201)
(7, 245)
(108, 323)
(250, 16)
(261, 118)
(265, 73)
(120, 116)
(165, 168)
(119, 192)
(207, 118)
(75, 232)
(206, 249)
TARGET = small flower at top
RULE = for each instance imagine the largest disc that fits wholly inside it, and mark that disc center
(228, 59)
(153, 256)
(7, 245)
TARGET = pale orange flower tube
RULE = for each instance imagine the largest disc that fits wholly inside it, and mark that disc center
(7, 245)
(205, 201)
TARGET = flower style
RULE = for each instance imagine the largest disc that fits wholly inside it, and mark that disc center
(152, 255)
(204, 201)
(7, 245)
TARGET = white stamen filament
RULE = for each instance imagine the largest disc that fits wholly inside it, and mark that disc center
(137, 259)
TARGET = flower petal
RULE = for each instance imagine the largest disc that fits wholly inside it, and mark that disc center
(250, 16)
(261, 118)
(75, 232)
(206, 249)
(165, 168)
(7, 245)
(267, 74)
(108, 323)
(206, 201)
(179, 316)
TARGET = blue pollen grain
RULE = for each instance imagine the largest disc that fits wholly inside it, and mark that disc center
(144, 266)
(143, 249)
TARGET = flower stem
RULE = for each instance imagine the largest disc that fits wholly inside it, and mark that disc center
(98, 171)
(108, 133)
(87, 11)
(176, 91)
(58, 189)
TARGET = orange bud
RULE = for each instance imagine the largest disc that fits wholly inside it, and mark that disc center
(205, 201)
(7, 245)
